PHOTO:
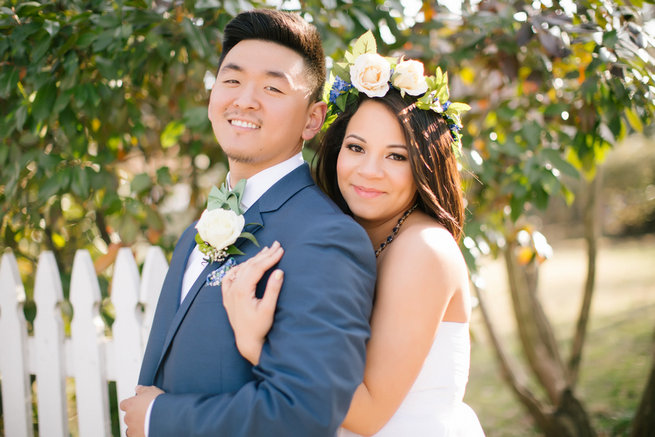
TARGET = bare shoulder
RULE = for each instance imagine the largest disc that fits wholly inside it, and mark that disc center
(426, 241)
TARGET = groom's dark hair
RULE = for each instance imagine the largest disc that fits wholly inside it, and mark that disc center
(284, 28)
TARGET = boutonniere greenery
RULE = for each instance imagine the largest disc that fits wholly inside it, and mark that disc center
(222, 223)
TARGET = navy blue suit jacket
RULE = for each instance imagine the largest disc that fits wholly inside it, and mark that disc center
(313, 358)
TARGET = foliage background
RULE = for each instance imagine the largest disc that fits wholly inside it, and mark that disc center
(104, 138)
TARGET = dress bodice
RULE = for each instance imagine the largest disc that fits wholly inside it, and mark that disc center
(433, 407)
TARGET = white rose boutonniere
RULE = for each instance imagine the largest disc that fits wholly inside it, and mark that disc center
(220, 227)
(370, 74)
(408, 77)
(222, 223)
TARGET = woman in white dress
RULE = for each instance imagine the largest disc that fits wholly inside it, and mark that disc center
(390, 161)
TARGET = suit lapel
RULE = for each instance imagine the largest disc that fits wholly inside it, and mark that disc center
(253, 219)
(169, 301)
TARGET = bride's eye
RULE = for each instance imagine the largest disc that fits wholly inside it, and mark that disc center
(354, 147)
(397, 157)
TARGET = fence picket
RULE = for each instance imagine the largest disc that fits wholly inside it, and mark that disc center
(88, 354)
(127, 326)
(49, 344)
(16, 391)
(155, 268)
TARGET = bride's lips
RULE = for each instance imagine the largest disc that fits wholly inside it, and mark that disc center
(367, 193)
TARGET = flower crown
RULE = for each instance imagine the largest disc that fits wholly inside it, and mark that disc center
(366, 71)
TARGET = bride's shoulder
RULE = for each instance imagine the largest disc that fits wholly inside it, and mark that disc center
(426, 236)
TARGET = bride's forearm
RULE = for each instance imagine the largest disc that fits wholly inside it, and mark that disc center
(367, 414)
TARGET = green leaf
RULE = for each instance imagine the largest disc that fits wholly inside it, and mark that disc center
(80, 182)
(207, 4)
(610, 38)
(196, 117)
(458, 107)
(21, 115)
(45, 99)
(25, 9)
(364, 44)
(4, 153)
(233, 250)
(40, 47)
(86, 39)
(197, 40)
(8, 81)
(63, 99)
(364, 20)
(531, 133)
(634, 120)
(250, 237)
(52, 27)
(164, 176)
(171, 134)
(107, 67)
(556, 159)
(141, 183)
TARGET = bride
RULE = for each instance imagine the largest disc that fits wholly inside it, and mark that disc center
(389, 159)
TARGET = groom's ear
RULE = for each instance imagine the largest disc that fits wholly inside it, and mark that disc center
(315, 118)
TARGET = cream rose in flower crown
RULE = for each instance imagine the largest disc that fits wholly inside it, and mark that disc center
(408, 77)
(222, 223)
(370, 74)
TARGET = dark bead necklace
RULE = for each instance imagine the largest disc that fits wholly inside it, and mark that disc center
(395, 230)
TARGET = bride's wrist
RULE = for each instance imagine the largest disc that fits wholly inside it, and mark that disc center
(250, 349)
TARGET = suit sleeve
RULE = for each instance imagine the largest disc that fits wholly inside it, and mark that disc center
(314, 356)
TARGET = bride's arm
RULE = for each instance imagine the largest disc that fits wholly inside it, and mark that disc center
(251, 318)
(415, 283)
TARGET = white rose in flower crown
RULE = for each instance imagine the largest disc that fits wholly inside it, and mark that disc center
(370, 74)
(220, 227)
(408, 77)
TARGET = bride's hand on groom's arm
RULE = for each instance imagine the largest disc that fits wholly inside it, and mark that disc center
(251, 318)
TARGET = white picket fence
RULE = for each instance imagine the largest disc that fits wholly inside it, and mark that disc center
(88, 356)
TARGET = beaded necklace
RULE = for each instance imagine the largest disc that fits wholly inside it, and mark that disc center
(395, 230)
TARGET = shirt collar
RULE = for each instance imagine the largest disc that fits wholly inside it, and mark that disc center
(259, 183)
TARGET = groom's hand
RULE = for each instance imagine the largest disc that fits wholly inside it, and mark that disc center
(136, 407)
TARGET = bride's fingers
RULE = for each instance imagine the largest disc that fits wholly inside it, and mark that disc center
(253, 269)
(273, 286)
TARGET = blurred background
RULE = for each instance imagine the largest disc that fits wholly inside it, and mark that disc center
(105, 143)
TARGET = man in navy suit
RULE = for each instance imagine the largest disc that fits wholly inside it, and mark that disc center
(265, 103)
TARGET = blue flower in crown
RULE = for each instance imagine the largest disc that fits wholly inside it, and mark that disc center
(339, 87)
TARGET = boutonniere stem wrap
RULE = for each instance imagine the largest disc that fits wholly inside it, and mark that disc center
(222, 223)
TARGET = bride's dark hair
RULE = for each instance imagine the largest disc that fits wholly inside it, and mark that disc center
(430, 150)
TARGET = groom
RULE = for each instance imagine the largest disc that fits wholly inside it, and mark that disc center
(266, 101)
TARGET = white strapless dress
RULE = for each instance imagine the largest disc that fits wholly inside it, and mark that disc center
(434, 407)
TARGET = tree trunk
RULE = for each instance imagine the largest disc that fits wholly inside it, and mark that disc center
(570, 419)
(644, 423)
(535, 332)
(535, 407)
(590, 235)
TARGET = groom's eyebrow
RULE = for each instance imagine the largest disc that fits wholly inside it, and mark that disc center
(270, 73)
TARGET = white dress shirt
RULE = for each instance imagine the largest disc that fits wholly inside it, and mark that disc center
(256, 185)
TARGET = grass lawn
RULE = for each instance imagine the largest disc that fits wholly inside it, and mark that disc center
(618, 351)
